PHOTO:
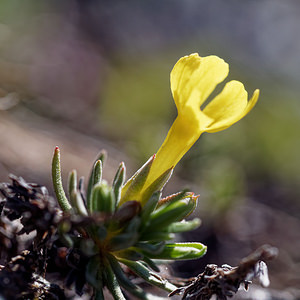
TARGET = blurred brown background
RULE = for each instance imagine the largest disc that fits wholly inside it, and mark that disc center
(88, 75)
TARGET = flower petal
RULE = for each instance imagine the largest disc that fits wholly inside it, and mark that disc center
(181, 136)
(193, 78)
(252, 102)
(229, 106)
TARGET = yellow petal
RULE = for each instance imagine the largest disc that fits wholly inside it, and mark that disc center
(193, 78)
(229, 106)
(252, 102)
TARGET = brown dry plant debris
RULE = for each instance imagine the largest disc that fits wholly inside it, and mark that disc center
(225, 281)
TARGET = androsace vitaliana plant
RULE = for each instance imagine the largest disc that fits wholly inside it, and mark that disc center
(130, 226)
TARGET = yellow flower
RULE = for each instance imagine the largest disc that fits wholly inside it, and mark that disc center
(193, 79)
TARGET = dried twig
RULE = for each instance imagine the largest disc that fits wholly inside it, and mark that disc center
(225, 281)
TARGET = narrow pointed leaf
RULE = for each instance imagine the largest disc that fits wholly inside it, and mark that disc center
(72, 183)
(133, 187)
(78, 203)
(97, 172)
(81, 189)
(175, 197)
(130, 254)
(170, 213)
(102, 199)
(123, 241)
(183, 226)
(126, 212)
(142, 271)
(181, 251)
(102, 157)
(95, 179)
(118, 182)
(156, 186)
(147, 247)
(151, 264)
(112, 283)
(134, 225)
(156, 236)
(122, 278)
(57, 182)
(93, 273)
(149, 208)
(81, 184)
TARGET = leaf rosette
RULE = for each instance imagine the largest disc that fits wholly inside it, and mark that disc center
(115, 235)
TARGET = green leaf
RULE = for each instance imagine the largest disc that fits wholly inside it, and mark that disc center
(81, 185)
(147, 247)
(149, 208)
(57, 182)
(93, 273)
(183, 226)
(78, 203)
(112, 283)
(142, 271)
(130, 254)
(102, 199)
(156, 186)
(175, 197)
(123, 241)
(101, 157)
(156, 236)
(127, 238)
(169, 213)
(122, 278)
(97, 172)
(126, 212)
(133, 225)
(95, 179)
(132, 188)
(125, 282)
(151, 264)
(118, 182)
(181, 251)
(72, 183)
